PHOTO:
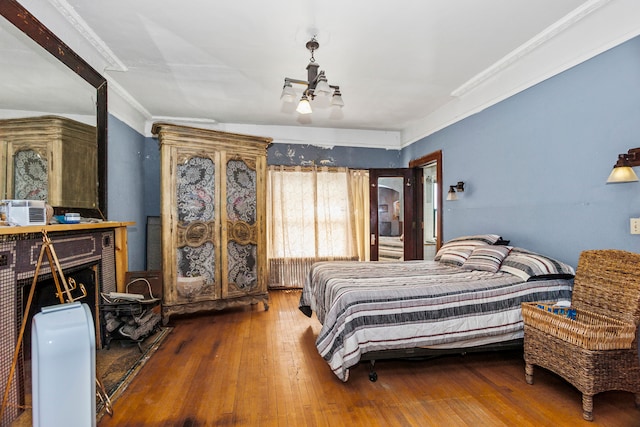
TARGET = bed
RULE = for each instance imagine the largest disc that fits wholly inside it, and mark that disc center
(468, 297)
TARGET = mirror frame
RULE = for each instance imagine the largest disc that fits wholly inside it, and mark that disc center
(21, 18)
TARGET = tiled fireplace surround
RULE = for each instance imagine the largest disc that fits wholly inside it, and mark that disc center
(77, 250)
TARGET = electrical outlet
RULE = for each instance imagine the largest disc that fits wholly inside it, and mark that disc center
(635, 225)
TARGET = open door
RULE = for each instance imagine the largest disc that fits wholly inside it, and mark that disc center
(431, 166)
(396, 214)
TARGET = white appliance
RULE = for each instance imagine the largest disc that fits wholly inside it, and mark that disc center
(26, 212)
(63, 366)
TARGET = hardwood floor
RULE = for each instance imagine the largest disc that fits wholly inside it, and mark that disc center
(250, 367)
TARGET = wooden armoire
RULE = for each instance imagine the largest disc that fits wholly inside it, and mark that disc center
(213, 219)
(49, 158)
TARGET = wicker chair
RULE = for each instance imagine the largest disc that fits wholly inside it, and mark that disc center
(607, 284)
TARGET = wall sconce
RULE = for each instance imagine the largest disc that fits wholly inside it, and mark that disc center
(622, 171)
(451, 195)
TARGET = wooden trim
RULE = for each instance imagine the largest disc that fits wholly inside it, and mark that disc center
(102, 117)
(435, 156)
(122, 257)
(63, 227)
(15, 13)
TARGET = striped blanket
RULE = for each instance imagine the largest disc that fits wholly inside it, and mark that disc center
(374, 306)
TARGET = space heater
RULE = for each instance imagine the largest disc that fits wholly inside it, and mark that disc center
(63, 366)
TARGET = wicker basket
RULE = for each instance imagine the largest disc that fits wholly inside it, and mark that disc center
(589, 330)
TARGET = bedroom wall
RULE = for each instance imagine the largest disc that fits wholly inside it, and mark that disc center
(277, 154)
(351, 157)
(127, 186)
(535, 165)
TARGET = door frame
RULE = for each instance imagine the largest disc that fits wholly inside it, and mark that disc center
(434, 157)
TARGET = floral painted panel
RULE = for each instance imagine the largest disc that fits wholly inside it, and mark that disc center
(198, 262)
(243, 265)
(30, 176)
(195, 184)
(241, 192)
(195, 187)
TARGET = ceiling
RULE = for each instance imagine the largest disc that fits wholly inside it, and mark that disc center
(397, 63)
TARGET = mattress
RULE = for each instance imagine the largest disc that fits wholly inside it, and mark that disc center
(374, 306)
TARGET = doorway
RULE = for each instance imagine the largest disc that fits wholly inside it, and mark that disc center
(395, 207)
(430, 211)
(431, 166)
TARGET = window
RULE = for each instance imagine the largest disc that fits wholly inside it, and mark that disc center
(314, 214)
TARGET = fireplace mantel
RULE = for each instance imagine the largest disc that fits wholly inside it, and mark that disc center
(63, 227)
(101, 246)
(119, 227)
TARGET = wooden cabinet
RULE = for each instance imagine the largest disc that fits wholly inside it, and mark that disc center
(213, 219)
(49, 158)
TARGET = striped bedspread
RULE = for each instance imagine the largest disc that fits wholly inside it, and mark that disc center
(373, 306)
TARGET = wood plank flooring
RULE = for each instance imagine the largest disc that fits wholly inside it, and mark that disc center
(250, 367)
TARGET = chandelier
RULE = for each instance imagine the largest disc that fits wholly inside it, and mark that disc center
(316, 85)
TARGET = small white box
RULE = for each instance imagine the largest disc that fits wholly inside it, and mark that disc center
(26, 212)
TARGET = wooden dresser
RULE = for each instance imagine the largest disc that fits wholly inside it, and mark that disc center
(213, 218)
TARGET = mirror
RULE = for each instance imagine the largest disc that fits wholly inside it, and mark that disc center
(40, 75)
(391, 218)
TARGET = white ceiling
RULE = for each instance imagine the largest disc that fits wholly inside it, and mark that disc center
(399, 64)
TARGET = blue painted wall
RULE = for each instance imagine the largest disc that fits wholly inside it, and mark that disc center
(127, 187)
(352, 157)
(152, 177)
(535, 165)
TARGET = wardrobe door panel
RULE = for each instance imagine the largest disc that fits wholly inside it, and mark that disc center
(196, 250)
(241, 231)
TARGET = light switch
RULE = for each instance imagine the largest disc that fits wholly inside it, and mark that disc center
(635, 225)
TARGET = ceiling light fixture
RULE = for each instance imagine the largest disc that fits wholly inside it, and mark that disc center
(622, 171)
(316, 85)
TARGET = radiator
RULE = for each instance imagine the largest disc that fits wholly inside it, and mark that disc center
(292, 272)
(63, 365)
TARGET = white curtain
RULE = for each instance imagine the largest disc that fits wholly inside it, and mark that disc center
(313, 214)
(359, 191)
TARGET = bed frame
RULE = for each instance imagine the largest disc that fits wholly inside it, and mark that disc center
(422, 353)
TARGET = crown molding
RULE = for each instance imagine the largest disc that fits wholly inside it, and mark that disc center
(82, 28)
(541, 38)
(320, 137)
